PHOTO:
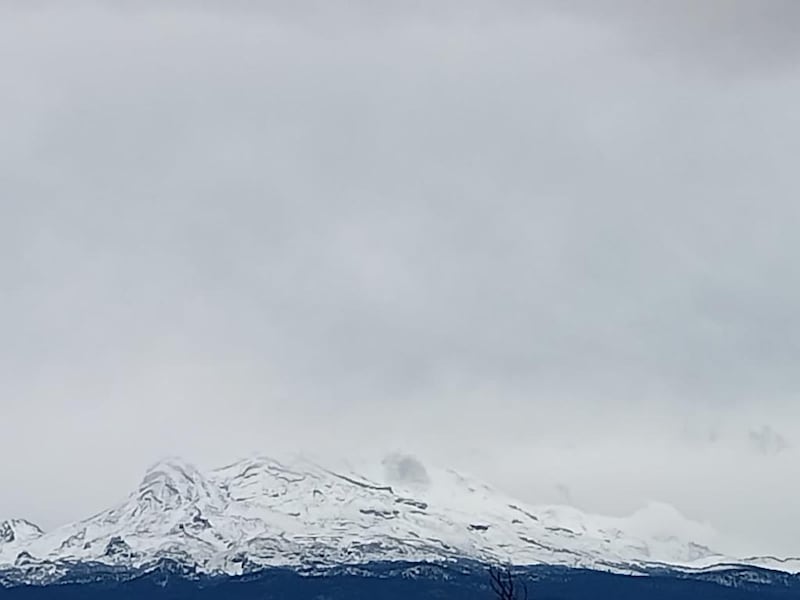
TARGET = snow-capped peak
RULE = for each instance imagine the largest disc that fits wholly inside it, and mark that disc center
(172, 483)
(18, 531)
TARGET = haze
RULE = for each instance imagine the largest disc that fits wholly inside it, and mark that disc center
(551, 244)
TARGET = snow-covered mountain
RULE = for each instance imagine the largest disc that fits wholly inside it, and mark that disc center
(263, 512)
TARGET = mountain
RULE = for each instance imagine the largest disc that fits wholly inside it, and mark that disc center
(263, 513)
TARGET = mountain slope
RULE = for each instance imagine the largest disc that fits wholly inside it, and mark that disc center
(263, 512)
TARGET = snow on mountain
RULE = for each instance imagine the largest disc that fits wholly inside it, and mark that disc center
(17, 532)
(261, 511)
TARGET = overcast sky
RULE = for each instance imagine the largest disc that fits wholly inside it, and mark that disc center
(554, 244)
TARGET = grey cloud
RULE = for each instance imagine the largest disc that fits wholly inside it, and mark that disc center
(768, 441)
(721, 37)
(729, 37)
(406, 469)
(505, 239)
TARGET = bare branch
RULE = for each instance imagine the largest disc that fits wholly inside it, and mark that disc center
(504, 586)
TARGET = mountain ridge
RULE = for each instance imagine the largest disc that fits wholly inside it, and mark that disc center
(262, 512)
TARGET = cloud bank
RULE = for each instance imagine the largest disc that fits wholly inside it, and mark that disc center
(552, 244)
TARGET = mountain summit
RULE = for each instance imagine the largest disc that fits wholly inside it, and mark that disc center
(18, 531)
